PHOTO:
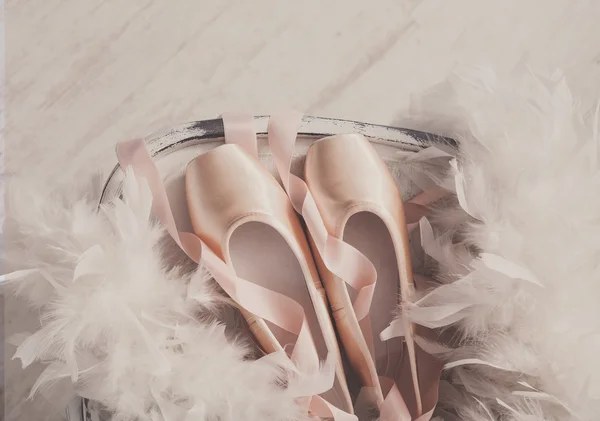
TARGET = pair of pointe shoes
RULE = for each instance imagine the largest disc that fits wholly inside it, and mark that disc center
(242, 213)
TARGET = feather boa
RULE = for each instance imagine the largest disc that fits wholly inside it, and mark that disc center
(517, 257)
(513, 254)
(121, 323)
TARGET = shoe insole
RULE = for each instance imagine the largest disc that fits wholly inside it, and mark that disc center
(261, 255)
(368, 234)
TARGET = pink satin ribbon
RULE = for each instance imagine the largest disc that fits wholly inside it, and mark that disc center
(239, 130)
(339, 257)
(416, 208)
(266, 304)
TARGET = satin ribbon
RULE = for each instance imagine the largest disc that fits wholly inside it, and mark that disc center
(264, 303)
(339, 257)
(239, 130)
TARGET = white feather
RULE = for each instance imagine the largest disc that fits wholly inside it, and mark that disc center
(90, 262)
(508, 268)
(16, 275)
(150, 326)
(527, 177)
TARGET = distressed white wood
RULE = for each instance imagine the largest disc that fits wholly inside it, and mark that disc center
(82, 75)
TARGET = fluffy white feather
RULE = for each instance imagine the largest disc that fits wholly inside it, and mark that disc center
(120, 322)
(528, 175)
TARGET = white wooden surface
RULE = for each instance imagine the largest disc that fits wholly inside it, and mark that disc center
(83, 74)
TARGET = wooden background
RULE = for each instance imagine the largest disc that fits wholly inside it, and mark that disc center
(84, 74)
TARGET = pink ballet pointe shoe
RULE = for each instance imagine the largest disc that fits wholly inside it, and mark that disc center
(243, 215)
(360, 204)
